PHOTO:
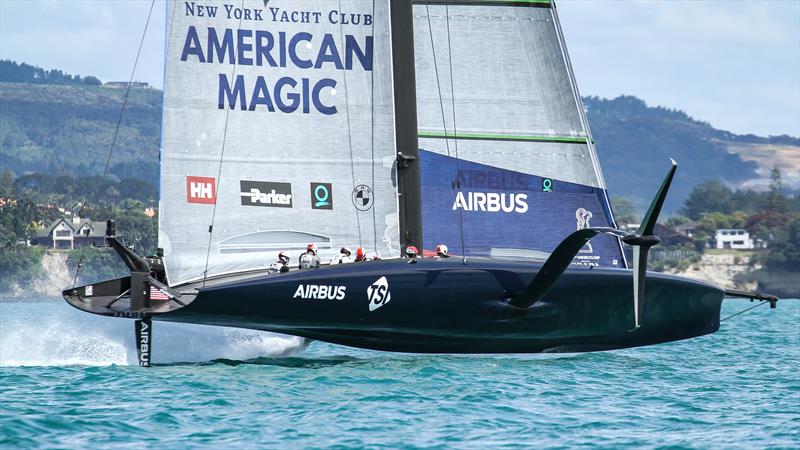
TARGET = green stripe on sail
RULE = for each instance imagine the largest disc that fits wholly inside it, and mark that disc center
(503, 137)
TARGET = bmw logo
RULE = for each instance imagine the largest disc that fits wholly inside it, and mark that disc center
(363, 197)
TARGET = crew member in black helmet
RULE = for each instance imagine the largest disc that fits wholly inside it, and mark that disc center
(281, 265)
(343, 256)
(309, 259)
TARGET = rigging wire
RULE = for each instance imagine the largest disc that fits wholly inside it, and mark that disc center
(763, 302)
(372, 137)
(455, 184)
(116, 129)
(219, 166)
(349, 132)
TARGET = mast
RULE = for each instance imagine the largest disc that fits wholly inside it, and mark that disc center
(405, 106)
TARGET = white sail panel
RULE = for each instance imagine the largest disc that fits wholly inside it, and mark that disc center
(278, 129)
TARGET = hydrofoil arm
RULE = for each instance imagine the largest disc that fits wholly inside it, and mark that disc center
(566, 251)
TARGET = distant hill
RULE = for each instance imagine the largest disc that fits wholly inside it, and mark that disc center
(635, 142)
(67, 129)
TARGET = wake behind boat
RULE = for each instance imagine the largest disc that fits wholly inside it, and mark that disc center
(420, 123)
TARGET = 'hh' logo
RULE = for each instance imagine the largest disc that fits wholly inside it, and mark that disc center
(378, 294)
(201, 190)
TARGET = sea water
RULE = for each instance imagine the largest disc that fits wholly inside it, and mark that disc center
(67, 381)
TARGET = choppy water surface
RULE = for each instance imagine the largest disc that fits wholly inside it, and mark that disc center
(65, 382)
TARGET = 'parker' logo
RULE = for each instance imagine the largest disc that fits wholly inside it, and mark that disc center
(264, 193)
(201, 190)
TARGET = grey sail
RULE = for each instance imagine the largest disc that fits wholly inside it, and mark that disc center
(278, 131)
(500, 119)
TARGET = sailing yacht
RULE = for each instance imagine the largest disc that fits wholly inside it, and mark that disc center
(386, 124)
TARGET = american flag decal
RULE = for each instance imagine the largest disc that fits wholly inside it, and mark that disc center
(157, 294)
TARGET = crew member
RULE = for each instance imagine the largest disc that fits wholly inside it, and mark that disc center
(309, 259)
(343, 256)
(361, 255)
(281, 265)
(411, 254)
(441, 251)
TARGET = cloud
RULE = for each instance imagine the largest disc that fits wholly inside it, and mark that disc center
(734, 64)
(84, 37)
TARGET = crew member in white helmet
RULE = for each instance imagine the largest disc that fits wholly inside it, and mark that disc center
(309, 259)
(281, 265)
(343, 256)
(441, 251)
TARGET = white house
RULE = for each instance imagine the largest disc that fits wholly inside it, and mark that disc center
(67, 234)
(735, 239)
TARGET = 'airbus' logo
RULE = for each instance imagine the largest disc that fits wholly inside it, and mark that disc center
(491, 202)
(320, 292)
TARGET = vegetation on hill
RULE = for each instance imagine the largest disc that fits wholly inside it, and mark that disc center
(11, 72)
(33, 201)
(771, 218)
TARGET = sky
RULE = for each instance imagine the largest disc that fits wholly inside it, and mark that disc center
(732, 63)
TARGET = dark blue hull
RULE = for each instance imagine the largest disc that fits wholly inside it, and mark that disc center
(444, 306)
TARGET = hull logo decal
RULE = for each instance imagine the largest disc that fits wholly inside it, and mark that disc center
(378, 294)
(320, 292)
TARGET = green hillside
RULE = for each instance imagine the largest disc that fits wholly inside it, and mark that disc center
(67, 128)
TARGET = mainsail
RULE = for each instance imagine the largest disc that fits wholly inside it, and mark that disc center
(506, 154)
(281, 128)
(278, 131)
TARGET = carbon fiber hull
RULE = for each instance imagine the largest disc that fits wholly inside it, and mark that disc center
(444, 306)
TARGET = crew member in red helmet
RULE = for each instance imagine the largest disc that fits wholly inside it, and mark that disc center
(411, 254)
(281, 265)
(361, 255)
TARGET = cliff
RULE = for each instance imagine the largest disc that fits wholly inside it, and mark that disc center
(739, 270)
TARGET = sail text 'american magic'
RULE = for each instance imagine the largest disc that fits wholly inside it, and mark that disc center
(263, 48)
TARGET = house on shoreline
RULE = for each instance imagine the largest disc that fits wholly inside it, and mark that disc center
(68, 234)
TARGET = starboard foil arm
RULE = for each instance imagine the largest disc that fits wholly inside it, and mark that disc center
(566, 251)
